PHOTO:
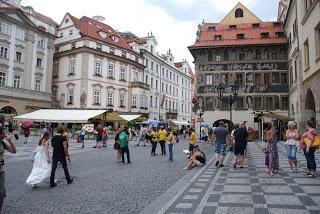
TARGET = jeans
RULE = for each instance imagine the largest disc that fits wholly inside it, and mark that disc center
(154, 147)
(63, 162)
(125, 150)
(291, 152)
(170, 152)
(163, 146)
(311, 162)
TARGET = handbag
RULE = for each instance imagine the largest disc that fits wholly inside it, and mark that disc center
(116, 145)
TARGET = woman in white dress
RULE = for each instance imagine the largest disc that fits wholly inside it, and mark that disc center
(41, 166)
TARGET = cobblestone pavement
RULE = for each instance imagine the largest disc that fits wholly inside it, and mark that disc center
(248, 190)
(100, 184)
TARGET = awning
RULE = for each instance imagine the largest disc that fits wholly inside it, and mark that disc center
(61, 115)
(129, 117)
(273, 115)
(181, 123)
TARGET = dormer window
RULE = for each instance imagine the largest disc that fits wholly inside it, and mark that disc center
(233, 27)
(277, 23)
(280, 34)
(212, 28)
(218, 37)
(112, 50)
(99, 46)
(114, 38)
(66, 21)
(70, 32)
(240, 36)
(265, 35)
(238, 13)
(256, 25)
(73, 45)
(102, 34)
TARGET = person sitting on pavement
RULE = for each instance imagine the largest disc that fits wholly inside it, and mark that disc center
(197, 159)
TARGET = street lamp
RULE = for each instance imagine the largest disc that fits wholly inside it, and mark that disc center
(232, 97)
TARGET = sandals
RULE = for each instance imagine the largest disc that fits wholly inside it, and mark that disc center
(311, 175)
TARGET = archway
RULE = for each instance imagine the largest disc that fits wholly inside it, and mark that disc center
(310, 107)
(8, 110)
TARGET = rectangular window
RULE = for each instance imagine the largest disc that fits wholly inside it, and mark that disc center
(70, 97)
(284, 103)
(72, 65)
(258, 54)
(122, 100)
(18, 56)
(112, 50)
(267, 78)
(218, 58)
(265, 35)
(37, 85)
(98, 68)
(109, 99)
(151, 65)
(167, 74)
(240, 36)
(162, 87)
(257, 79)
(274, 55)
(99, 46)
(156, 102)
(283, 78)
(240, 103)
(151, 101)
(124, 54)
(151, 82)
(20, 34)
(241, 56)
(147, 63)
(170, 76)
(218, 37)
(96, 97)
(134, 101)
(317, 32)
(147, 80)
(209, 79)
(3, 52)
(123, 74)
(156, 84)
(55, 70)
(110, 71)
(306, 55)
(39, 62)
(17, 81)
(157, 68)
(233, 27)
(269, 103)
(3, 78)
(239, 78)
(40, 43)
(4, 28)
(211, 28)
(257, 103)
(141, 101)
(295, 70)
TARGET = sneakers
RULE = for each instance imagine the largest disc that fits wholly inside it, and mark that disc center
(53, 185)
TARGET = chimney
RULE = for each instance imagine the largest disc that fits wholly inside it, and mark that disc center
(99, 18)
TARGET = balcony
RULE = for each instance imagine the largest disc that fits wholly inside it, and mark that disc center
(172, 111)
(140, 85)
(24, 93)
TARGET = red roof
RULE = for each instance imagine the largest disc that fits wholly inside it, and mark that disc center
(46, 18)
(136, 40)
(91, 28)
(252, 35)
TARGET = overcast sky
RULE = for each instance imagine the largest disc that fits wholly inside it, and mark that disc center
(173, 22)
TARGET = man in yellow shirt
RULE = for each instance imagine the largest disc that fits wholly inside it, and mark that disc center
(170, 144)
(192, 141)
(154, 140)
(162, 140)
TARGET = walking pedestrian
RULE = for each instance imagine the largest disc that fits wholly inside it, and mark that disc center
(292, 137)
(104, 136)
(60, 154)
(142, 136)
(307, 140)
(272, 149)
(162, 140)
(82, 135)
(240, 136)
(116, 147)
(221, 135)
(154, 140)
(124, 145)
(6, 143)
(170, 144)
(99, 132)
(41, 166)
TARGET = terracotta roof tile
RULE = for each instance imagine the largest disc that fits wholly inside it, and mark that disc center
(252, 35)
(91, 28)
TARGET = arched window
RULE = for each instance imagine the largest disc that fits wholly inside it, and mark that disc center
(239, 13)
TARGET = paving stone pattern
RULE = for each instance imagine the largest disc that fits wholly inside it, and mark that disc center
(249, 190)
(100, 184)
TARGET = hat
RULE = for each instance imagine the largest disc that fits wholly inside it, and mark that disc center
(291, 123)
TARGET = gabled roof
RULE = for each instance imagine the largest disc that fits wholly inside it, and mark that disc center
(45, 18)
(91, 28)
(252, 35)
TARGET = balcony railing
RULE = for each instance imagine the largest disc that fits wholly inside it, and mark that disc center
(141, 85)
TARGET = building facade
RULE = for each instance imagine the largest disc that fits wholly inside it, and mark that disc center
(26, 43)
(170, 82)
(94, 67)
(302, 23)
(245, 51)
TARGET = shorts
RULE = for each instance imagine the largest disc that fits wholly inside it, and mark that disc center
(220, 149)
(291, 152)
(2, 185)
(238, 149)
(198, 163)
(99, 138)
(104, 138)
(191, 147)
